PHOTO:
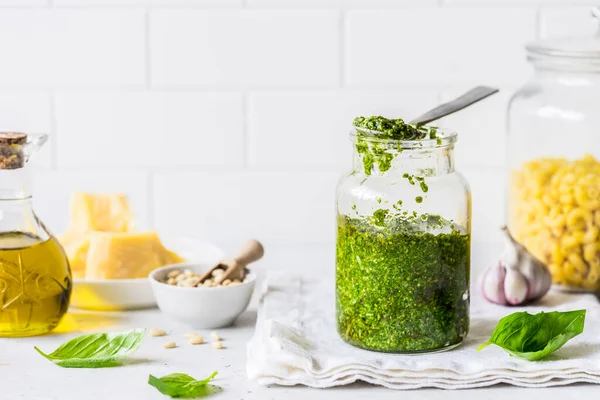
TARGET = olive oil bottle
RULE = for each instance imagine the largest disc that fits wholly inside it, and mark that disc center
(35, 279)
(35, 284)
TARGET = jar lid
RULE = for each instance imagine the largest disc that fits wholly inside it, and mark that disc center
(571, 47)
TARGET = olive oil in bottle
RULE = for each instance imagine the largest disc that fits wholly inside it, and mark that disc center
(35, 278)
(35, 284)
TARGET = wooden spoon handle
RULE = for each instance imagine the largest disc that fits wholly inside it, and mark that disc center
(251, 251)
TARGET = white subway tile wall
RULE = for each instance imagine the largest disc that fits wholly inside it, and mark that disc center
(295, 206)
(481, 140)
(55, 48)
(149, 129)
(310, 129)
(244, 48)
(28, 112)
(224, 119)
(23, 3)
(87, 3)
(573, 21)
(341, 3)
(399, 47)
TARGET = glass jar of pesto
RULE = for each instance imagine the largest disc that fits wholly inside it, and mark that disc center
(403, 240)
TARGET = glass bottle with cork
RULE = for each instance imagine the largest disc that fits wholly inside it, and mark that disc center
(35, 279)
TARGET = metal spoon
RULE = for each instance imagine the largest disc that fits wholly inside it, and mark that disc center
(472, 96)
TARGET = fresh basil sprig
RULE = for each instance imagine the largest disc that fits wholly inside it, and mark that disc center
(533, 337)
(96, 350)
(182, 385)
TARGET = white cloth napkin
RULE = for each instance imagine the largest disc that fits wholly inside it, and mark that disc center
(296, 343)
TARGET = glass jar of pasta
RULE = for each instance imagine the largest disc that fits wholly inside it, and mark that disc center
(554, 160)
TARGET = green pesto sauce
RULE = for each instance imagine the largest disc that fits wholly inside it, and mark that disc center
(376, 154)
(401, 282)
(412, 179)
(390, 128)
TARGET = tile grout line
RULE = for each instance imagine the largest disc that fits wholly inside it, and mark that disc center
(134, 88)
(245, 120)
(262, 170)
(138, 7)
(341, 47)
(147, 45)
(471, 4)
(53, 132)
(150, 198)
(538, 23)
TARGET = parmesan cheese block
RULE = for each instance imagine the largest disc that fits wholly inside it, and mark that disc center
(100, 212)
(76, 247)
(126, 255)
(101, 242)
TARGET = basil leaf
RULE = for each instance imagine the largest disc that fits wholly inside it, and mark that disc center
(182, 385)
(533, 337)
(96, 350)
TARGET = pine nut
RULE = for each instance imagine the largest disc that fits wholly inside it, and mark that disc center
(170, 345)
(190, 335)
(196, 339)
(173, 274)
(188, 278)
(215, 336)
(157, 332)
(217, 345)
(217, 272)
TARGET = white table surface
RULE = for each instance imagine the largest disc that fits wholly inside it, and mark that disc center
(24, 374)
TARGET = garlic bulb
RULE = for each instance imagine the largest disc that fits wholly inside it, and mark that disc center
(517, 278)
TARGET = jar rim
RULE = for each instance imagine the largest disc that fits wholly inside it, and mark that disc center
(444, 138)
(552, 50)
(556, 62)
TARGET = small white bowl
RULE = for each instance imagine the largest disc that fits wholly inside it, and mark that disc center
(134, 294)
(201, 307)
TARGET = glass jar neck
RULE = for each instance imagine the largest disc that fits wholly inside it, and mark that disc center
(392, 162)
(554, 66)
(15, 184)
(17, 215)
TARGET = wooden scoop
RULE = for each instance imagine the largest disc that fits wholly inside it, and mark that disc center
(235, 268)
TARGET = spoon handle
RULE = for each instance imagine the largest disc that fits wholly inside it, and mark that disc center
(251, 251)
(472, 96)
